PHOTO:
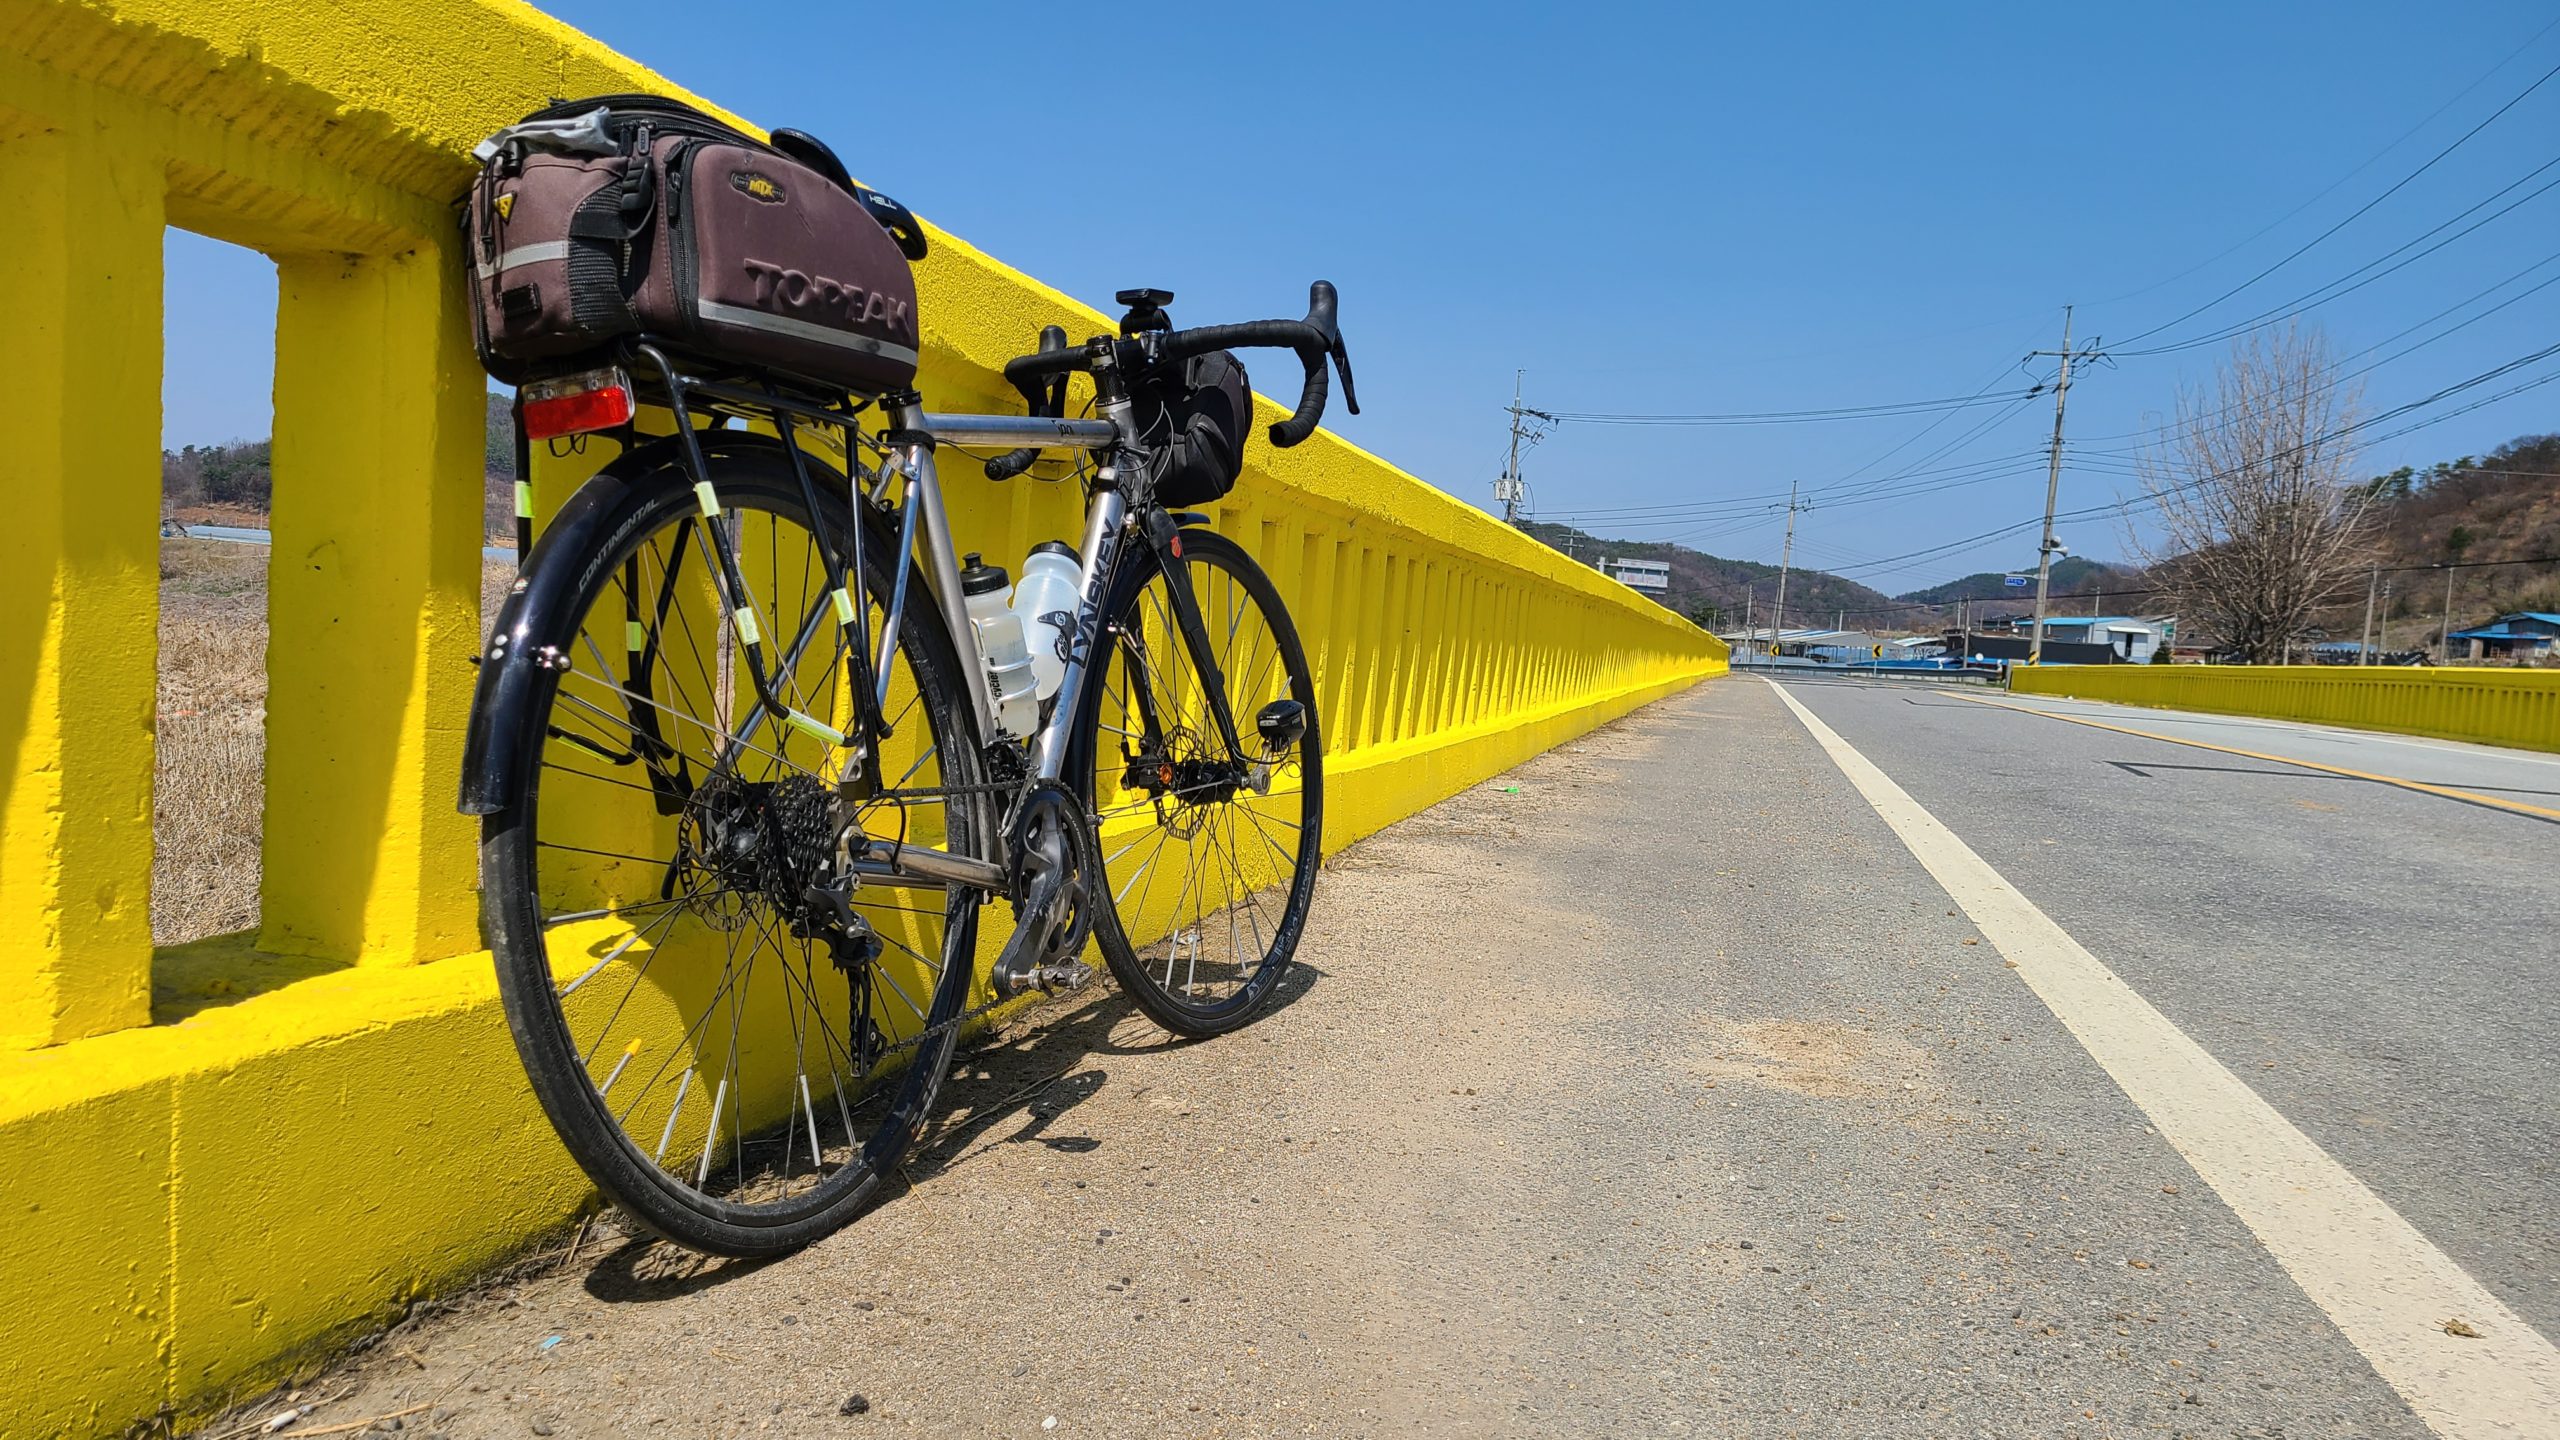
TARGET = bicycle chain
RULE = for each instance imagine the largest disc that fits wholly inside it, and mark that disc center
(931, 1032)
(1002, 758)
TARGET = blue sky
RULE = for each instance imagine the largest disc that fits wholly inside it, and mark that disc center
(1680, 209)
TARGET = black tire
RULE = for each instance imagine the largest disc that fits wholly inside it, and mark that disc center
(1248, 859)
(619, 530)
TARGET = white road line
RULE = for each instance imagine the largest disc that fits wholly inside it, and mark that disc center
(2386, 1288)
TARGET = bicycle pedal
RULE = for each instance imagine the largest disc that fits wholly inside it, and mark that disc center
(1063, 978)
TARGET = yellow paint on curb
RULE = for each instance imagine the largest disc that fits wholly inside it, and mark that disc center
(2447, 791)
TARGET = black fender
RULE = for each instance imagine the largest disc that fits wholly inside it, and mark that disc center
(513, 671)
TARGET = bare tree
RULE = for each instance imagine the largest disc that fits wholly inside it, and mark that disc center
(2259, 523)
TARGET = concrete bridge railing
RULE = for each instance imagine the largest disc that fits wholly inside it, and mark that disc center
(216, 1160)
(2488, 707)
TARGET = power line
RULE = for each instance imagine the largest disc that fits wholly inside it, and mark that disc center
(1968, 473)
(2360, 354)
(1916, 436)
(2154, 500)
(1889, 563)
(1887, 411)
(2368, 163)
(2359, 212)
(2314, 299)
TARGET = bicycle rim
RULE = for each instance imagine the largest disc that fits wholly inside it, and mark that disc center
(1208, 882)
(713, 1064)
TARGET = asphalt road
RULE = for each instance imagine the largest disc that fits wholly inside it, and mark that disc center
(2374, 958)
(1653, 1089)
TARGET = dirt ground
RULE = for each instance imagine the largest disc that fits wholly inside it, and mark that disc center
(1125, 1234)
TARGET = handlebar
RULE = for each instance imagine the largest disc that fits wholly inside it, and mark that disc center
(1316, 339)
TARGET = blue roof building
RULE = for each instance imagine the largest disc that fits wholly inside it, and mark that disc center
(2523, 635)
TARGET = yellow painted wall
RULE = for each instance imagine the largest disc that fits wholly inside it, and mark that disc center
(220, 1159)
(2491, 707)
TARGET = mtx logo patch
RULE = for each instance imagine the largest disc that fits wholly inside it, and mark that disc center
(756, 187)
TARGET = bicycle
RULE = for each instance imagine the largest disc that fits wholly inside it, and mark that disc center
(719, 859)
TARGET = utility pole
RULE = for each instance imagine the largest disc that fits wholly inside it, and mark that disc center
(1786, 561)
(1509, 489)
(1749, 593)
(2447, 637)
(2372, 591)
(2052, 483)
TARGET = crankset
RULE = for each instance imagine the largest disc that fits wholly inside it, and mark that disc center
(1057, 866)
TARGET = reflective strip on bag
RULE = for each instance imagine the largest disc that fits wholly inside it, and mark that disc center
(533, 254)
(746, 319)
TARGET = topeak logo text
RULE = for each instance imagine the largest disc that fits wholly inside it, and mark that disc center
(779, 288)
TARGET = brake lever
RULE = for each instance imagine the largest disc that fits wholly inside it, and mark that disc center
(1043, 398)
(1323, 303)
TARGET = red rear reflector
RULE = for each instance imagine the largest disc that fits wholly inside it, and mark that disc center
(576, 404)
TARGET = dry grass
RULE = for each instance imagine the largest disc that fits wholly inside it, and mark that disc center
(211, 753)
(208, 796)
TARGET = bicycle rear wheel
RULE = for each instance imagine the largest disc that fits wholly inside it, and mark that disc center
(1210, 856)
(713, 1064)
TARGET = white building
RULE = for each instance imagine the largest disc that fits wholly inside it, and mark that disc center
(2131, 637)
(1652, 577)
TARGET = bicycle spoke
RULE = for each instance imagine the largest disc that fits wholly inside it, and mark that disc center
(735, 1059)
(1172, 781)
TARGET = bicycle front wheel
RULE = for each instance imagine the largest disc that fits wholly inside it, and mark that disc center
(1210, 853)
(722, 1070)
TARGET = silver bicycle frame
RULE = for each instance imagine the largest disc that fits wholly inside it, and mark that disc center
(930, 525)
(927, 529)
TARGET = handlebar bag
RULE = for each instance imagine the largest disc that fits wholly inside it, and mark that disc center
(1199, 413)
(618, 217)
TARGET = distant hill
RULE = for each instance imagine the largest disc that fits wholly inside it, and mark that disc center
(232, 484)
(1717, 592)
(2071, 576)
(2503, 506)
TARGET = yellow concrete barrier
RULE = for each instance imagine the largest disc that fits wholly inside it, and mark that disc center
(217, 1160)
(2491, 707)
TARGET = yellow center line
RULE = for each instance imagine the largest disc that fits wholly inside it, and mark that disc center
(2447, 791)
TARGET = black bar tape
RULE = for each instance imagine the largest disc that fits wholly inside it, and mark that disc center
(1310, 412)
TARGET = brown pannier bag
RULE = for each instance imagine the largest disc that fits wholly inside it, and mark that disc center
(627, 216)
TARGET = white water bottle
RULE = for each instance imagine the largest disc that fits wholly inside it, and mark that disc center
(1045, 603)
(985, 589)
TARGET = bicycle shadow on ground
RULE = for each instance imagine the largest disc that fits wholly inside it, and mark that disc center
(1013, 1087)
(643, 1269)
(1016, 1086)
